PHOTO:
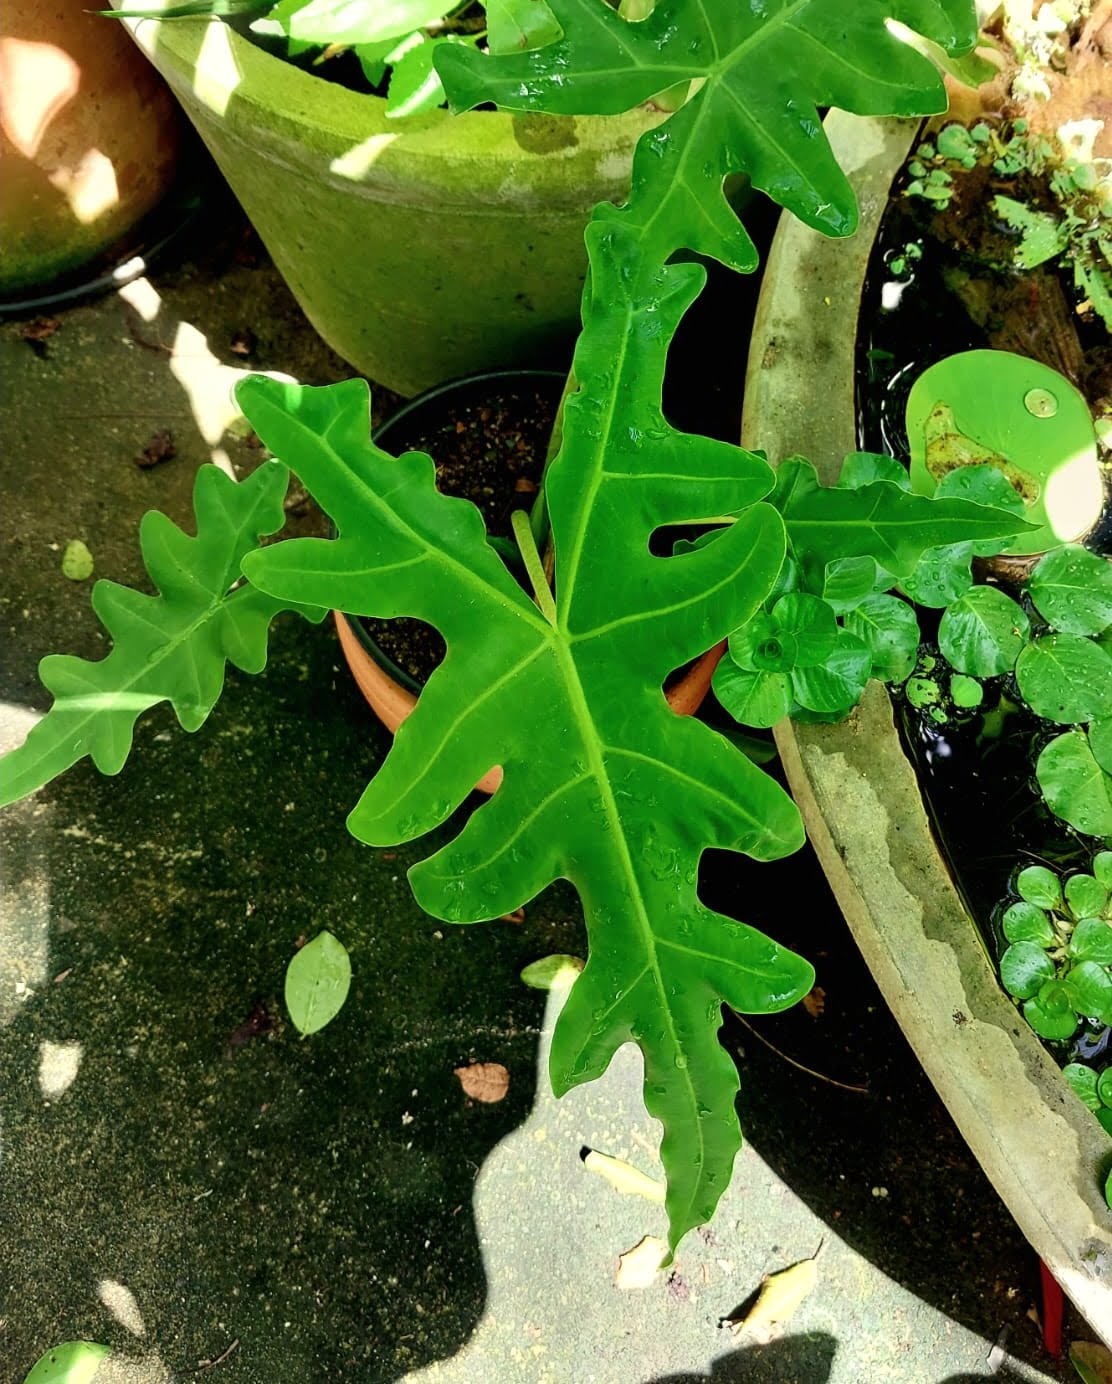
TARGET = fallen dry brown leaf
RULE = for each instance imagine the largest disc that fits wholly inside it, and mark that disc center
(780, 1297)
(485, 1081)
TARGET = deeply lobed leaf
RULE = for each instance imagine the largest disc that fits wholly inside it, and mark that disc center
(765, 67)
(170, 647)
(603, 784)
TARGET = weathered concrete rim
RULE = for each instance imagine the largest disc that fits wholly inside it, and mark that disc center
(1043, 1151)
(292, 117)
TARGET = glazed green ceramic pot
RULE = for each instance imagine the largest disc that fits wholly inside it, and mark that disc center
(420, 249)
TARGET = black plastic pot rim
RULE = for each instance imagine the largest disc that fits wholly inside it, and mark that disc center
(380, 436)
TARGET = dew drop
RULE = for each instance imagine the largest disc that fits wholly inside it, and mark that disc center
(1041, 403)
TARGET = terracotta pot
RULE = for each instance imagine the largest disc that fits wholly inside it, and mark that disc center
(1044, 1152)
(88, 138)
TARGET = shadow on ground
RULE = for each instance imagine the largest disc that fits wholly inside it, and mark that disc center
(308, 1199)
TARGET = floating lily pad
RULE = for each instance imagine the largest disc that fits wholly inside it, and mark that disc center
(1020, 416)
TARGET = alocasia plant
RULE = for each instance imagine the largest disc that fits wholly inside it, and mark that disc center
(602, 783)
(760, 71)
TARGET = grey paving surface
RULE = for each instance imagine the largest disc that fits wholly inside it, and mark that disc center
(179, 1172)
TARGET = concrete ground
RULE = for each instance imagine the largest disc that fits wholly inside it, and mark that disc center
(184, 1179)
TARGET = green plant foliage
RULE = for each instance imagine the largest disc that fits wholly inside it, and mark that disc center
(983, 632)
(880, 520)
(966, 693)
(1066, 679)
(1060, 949)
(1072, 589)
(317, 982)
(1023, 922)
(1040, 886)
(170, 647)
(1074, 785)
(889, 630)
(755, 110)
(847, 581)
(603, 784)
(75, 1362)
(794, 657)
(1093, 1089)
(941, 576)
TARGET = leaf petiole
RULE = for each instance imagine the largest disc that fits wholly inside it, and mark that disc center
(523, 532)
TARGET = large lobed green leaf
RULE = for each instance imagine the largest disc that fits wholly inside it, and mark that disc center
(765, 67)
(170, 647)
(603, 784)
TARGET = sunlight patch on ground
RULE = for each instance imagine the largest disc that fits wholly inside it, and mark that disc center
(59, 1064)
(120, 1301)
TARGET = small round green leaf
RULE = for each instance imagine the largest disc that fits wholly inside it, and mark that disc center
(1089, 988)
(810, 622)
(1066, 679)
(1074, 785)
(941, 576)
(317, 983)
(922, 692)
(752, 699)
(1072, 588)
(551, 972)
(835, 687)
(1082, 1081)
(1102, 861)
(889, 630)
(966, 692)
(1050, 1014)
(1085, 896)
(1092, 941)
(1104, 1087)
(77, 561)
(1104, 1115)
(983, 632)
(75, 1362)
(1024, 969)
(1039, 886)
(1023, 922)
